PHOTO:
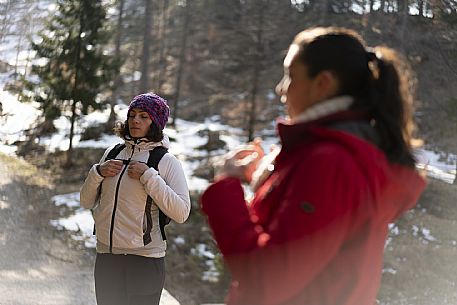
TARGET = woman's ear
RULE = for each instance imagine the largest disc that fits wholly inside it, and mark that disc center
(326, 85)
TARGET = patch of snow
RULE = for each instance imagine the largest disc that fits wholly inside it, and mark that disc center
(71, 200)
(211, 274)
(389, 270)
(435, 166)
(179, 240)
(426, 234)
(81, 223)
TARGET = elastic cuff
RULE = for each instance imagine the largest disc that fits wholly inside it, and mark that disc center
(97, 167)
(148, 174)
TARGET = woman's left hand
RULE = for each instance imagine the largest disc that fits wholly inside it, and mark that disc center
(136, 169)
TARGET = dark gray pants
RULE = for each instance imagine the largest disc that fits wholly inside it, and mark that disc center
(128, 279)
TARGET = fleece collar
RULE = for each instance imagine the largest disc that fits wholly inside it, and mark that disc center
(294, 134)
(145, 144)
(324, 108)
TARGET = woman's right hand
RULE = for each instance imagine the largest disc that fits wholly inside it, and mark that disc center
(110, 168)
(242, 162)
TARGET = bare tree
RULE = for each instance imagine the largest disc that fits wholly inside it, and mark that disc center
(118, 78)
(371, 2)
(420, 7)
(258, 59)
(181, 60)
(161, 62)
(144, 81)
(403, 9)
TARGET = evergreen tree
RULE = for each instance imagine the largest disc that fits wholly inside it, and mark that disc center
(76, 68)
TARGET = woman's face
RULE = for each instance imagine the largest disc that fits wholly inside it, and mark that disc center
(295, 88)
(139, 123)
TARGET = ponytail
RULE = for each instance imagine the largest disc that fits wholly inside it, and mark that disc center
(392, 106)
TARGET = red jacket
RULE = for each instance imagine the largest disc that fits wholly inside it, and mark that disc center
(315, 231)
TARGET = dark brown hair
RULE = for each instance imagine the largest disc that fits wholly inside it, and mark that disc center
(377, 79)
(155, 134)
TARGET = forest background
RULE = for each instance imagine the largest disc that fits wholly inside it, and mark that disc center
(209, 58)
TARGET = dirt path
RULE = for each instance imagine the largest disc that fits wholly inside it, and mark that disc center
(38, 264)
(36, 267)
(421, 259)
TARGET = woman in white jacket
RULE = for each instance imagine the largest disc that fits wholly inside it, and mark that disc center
(130, 201)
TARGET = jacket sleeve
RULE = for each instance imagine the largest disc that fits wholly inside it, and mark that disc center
(90, 189)
(168, 188)
(279, 259)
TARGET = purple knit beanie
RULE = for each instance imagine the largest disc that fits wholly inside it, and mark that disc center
(154, 105)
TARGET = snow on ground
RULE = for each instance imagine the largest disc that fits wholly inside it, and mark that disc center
(435, 166)
(15, 118)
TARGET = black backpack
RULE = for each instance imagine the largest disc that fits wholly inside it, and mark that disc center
(155, 155)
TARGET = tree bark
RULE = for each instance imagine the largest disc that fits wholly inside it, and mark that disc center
(162, 62)
(18, 50)
(323, 10)
(382, 8)
(181, 63)
(144, 80)
(75, 93)
(371, 5)
(403, 6)
(256, 71)
(118, 80)
(420, 5)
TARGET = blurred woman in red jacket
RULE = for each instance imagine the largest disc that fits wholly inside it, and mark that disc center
(314, 233)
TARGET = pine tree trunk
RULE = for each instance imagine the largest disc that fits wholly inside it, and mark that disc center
(420, 5)
(323, 11)
(118, 80)
(69, 162)
(371, 5)
(256, 73)
(455, 177)
(18, 50)
(162, 41)
(144, 81)
(383, 6)
(181, 63)
(404, 11)
(30, 30)
(137, 47)
(75, 93)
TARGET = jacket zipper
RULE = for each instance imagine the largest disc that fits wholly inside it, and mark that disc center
(113, 215)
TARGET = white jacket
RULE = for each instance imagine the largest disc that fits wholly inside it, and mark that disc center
(119, 202)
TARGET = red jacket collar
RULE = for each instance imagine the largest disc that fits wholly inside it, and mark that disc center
(293, 134)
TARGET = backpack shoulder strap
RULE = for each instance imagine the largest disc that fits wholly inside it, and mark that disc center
(115, 151)
(155, 156)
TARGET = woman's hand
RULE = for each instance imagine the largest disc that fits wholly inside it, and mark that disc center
(110, 168)
(242, 162)
(136, 169)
